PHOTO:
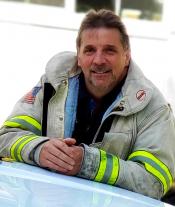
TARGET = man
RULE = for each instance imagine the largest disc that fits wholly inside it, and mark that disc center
(96, 116)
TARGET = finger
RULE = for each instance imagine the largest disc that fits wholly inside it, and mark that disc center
(69, 141)
(62, 156)
(56, 150)
(59, 162)
(54, 166)
(63, 147)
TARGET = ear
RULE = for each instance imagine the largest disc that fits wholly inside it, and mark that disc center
(127, 57)
(78, 58)
(78, 61)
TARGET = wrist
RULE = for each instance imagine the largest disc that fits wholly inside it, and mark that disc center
(90, 162)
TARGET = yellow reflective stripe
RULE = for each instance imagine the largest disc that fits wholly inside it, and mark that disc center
(158, 175)
(29, 120)
(19, 150)
(115, 171)
(14, 145)
(148, 159)
(102, 168)
(156, 160)
(13, 124)
(14, 148)
(109, 168)
(24, 122)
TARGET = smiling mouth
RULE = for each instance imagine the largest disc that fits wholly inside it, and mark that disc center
(101, 72)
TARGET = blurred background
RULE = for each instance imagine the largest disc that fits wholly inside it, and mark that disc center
(32, 31)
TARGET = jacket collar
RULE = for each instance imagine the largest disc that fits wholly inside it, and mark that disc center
(60, 67)
(136, 91)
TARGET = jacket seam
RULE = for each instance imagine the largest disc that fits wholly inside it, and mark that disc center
(151, 116)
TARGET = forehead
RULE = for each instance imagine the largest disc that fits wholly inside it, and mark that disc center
(101, 36)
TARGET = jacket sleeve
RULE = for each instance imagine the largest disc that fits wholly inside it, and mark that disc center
(149, 168)
(21, 132)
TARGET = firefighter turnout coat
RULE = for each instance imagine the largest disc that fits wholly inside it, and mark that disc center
(137, 153)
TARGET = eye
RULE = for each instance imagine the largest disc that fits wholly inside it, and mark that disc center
(89, 50)
(110, 50)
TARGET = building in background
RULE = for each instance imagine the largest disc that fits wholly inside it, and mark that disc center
(32, 31)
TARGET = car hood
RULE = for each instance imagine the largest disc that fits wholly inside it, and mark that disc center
(22, 185)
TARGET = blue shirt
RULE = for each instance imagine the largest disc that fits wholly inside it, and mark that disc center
(90, 113)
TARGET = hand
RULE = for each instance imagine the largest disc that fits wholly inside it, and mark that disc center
(57, 154)
(78, 153)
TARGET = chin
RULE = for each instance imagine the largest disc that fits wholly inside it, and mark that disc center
(102, 89)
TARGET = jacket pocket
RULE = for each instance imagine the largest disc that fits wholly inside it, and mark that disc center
(117, 143)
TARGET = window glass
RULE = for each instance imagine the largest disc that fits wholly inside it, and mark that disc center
(142, 9)
(85, 5)
(59, 3)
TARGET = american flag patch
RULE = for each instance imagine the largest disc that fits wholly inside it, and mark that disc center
(30, 96)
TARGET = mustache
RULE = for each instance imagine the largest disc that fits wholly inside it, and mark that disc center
(100, 69)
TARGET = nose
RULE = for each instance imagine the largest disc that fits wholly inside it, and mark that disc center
(99, 58)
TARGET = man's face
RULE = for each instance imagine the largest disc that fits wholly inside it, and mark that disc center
(103, 60)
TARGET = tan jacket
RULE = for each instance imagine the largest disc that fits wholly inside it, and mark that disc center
(137, 153)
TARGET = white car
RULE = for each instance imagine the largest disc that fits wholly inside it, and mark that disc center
(22, 185)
